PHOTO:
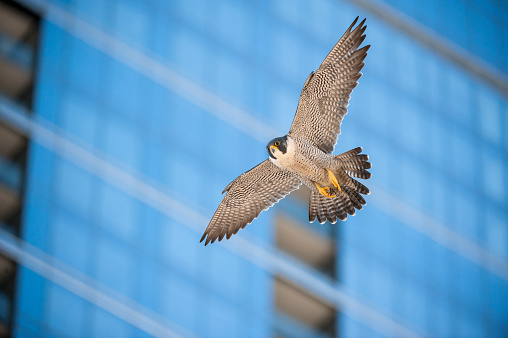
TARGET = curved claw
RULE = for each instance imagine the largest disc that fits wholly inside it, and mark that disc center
(325, 191)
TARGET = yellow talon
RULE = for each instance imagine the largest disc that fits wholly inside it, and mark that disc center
(324, 191)
(333, 179)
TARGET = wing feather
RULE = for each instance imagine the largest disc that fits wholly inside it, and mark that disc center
(326, 93)
(247, 196)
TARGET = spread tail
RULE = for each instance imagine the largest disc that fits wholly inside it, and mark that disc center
(349, 197)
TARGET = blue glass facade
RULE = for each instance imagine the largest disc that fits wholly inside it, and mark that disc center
(148, 109)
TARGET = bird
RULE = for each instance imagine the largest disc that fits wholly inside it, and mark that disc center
(305, 154)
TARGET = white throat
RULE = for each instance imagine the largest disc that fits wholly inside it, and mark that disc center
(285, 160)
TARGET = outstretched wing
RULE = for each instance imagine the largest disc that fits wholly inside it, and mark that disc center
(325, 95)
(249, 194)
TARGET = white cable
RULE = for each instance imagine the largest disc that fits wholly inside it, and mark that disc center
(146, 64)
(446, 48)
(439, 233)
(111, 301)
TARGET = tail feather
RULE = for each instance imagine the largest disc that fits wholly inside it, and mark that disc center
(346, 204)
(330, 216)
(339, 210)
(322, 210)
(351, 153)
(356, 199)
(359, 162)
(364, 174)
(313, 205)
(325, 209)
(360, 187)
(352, 164)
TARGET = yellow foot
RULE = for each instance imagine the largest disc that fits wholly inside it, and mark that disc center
(333, 179)
(324, 191)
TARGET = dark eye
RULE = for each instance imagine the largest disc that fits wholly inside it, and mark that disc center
(277, 143)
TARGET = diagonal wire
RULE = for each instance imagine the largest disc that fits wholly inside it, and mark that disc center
(80, 284)
(264, 255)
(445, 47)
(146, 63)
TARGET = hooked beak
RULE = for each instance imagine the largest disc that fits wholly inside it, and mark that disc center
(271, 150)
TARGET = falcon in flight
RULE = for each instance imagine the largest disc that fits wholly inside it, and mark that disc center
(304, 155)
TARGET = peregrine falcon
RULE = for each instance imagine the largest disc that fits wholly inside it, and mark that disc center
(304, 155)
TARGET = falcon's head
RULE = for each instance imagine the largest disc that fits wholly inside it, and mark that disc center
(277, 147)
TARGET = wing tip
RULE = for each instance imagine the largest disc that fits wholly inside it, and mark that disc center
(353, 24)
(209, 239)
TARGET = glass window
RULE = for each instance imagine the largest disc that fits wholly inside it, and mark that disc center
(73, 186)
(464, 156)
(467, 212)
(489, 115)
(104, 324)
(152, 156)
(350, 327)
(327, 20)
(69, 240)
(375, 110)
(496, 231)
(132, 23)
(282, 105)
(85, 67)
(222, 320)
(432, 78)
(504, 112)
(498, 289)
(441, 188)
(286, 10)
(235, 21)
(440, 321)
(459, 95)
(440, 135)
(406, 62)
(494, 177)
(122, 91)
(174, 240)
(114, 264)
(118, 212)
(195, 12)
(386, 289)
(123, 141)
(413, 254)
(95, 12)
(231, 77)
(471, 285)
(413, 303)
(364, 231)
(228, 274)
(66, 312)
(483, 41)
(285, 47)
(182, 175)
(51, 51)
(440, 276)
(180, 300)
(192, 54)
(78, 116)
(471, 324)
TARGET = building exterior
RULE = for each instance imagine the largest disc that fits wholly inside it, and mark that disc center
(122, 121)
